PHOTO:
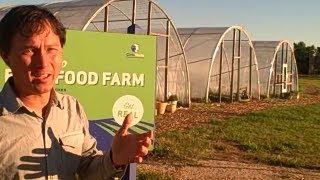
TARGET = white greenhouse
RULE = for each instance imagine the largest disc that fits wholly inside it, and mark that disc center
(222, 64)
(277, 68)
(132, 16)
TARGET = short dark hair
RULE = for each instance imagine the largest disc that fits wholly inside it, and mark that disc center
(28, 20)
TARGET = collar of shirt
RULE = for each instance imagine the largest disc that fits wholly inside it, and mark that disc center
(12, 103)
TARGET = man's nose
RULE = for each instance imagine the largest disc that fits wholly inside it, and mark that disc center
(41, 59)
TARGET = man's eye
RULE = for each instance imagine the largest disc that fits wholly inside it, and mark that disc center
(28, 51)
(52, 49)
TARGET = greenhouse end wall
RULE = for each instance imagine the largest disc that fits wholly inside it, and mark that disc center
(277, 66)
(215, 55)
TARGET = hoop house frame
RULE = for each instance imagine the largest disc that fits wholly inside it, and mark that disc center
(222, 63)
(138, 17)
(277, 64)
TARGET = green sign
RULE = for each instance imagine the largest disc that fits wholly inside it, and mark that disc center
(111, 75)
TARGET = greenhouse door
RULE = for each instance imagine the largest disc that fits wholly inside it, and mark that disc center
(285, 78)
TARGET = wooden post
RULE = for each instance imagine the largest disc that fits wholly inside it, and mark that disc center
(149, 18)
(250, 73)
(232, 64)
(282, 74)
(286, 61)
(220, 70)
(106, 19)
(291, 69)
(275, 75)
(134, 10)
(239, 64)
(166, 61)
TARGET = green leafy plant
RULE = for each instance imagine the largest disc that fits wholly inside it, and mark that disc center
(244, 94)
(173, 98)
(214, 97)
(290, 95)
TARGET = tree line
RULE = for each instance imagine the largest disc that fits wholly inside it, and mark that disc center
(307, 58)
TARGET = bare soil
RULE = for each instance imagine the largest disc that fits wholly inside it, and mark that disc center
(215, 169)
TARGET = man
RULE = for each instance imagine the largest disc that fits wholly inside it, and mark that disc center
(44, 134)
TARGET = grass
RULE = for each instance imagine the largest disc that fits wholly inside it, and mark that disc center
(308, 83)
(286, 136)
(185, 144)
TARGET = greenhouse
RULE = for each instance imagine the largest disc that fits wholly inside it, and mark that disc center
(277, 68)
(136, 17)
(222, 64)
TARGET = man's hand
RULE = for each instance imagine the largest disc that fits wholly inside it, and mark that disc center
(129, 148)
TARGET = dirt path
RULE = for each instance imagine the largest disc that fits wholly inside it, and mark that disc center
(214, 169)
(231, 168)
(202, 113)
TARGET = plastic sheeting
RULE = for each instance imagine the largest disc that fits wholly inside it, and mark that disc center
(277, 68)
(208, 48)
(116, 16)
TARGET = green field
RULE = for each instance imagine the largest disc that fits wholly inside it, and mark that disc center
(285, 136)
(307, 84)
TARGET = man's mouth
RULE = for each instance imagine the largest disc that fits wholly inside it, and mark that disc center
(41, 76)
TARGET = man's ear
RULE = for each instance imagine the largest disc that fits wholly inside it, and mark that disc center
(4, 56)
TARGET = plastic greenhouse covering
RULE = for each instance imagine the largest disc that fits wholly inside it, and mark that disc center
(277, 68)
(222, 64)
(144, 17)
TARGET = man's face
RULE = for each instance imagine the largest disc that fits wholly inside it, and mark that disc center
(35, 62)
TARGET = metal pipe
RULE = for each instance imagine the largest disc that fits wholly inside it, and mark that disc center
(125, 20)
(158, 34)
(200, 60)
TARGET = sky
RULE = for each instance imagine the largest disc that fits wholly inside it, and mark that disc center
(293, 20)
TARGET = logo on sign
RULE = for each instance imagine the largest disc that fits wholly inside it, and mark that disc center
(135, 49)
(125, 105)
(64, 63)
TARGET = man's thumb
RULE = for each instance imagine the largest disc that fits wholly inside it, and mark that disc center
(125, 125)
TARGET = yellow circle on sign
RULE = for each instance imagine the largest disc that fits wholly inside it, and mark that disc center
(125, 105)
